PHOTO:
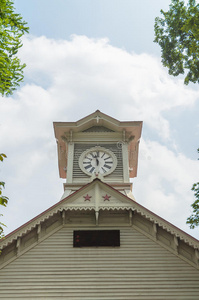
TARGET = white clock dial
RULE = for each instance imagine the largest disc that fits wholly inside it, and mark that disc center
(98, 160)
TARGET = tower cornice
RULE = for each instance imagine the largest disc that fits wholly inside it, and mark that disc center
(126, 134)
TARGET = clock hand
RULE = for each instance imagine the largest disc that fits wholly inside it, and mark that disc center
(96, 157)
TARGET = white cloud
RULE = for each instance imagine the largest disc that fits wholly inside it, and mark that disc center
(67, 80)
(164, 182)
(88, 71)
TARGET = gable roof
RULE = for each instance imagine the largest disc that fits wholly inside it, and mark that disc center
(122, 132)
(98, 196)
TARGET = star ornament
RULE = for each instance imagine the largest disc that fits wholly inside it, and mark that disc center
(87, 198)
(106, 198)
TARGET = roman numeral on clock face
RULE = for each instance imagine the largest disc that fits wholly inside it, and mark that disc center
(107, 158)
(107, 166)
(88, 158)
(103, 155)
(88, 166)
(103, 170)
(91, 170)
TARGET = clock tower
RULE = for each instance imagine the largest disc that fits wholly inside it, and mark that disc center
(98, 146)
(97, 242)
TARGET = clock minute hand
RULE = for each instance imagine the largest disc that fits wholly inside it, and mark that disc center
(97, 158)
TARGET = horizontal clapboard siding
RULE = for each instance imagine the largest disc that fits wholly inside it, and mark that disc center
(138, 269)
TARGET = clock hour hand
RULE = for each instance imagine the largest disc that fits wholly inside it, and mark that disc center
(97, 160)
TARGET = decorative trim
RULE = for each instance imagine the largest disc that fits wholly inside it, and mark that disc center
(130, 217)
(97, 217)
(87, 198)
(115, 208)
(63, 214)
(38, 231)
(137, 208)
(197, 257)
(176, 244)
(18, 245)
(106, 197)
(155, 230)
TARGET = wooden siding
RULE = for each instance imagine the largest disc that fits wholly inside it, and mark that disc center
(139, 269)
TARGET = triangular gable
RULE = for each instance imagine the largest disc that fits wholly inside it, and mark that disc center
(121, 132)
(98, 129)
(98, 197)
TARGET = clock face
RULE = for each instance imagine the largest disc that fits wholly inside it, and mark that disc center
(98, 160)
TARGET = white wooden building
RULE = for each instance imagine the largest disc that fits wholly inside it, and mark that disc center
(97, 242)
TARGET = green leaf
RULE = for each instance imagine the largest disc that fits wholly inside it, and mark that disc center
(12, 28)
(177, 33)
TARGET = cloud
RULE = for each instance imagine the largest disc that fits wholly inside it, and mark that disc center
(66, 80)
(91, 72)
(164, 182)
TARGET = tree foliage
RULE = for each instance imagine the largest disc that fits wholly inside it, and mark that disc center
(3, 199)
(193, 220)
(177, 33)
(12, 27)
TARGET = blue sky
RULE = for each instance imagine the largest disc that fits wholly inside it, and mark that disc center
(88, 55)
(128, 24)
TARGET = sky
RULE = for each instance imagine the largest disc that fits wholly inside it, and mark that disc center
(84, 55)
